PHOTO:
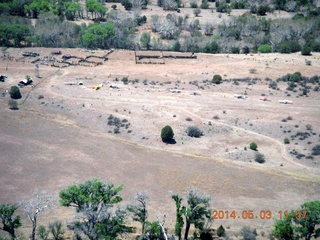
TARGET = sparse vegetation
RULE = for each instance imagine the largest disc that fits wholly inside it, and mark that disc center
(221, 232)
(194, 131)
(247, 233)
(12, 104)
(259, 158)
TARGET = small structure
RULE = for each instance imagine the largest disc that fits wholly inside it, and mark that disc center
(114, 86)
(30, 54)
(175, 90)
(70, 83)
(285, 101)
(240, 96)
(25, 82)
(56, 52)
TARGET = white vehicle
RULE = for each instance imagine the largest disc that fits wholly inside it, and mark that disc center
(240, 96)
(285, 101)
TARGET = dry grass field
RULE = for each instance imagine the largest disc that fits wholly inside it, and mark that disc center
(60, 134)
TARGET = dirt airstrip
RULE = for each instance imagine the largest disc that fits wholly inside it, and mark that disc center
(60, 135)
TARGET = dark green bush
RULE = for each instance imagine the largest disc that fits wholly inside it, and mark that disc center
(221, 231)
(286, 141)
(306, 51)
(235, 50)
(262, 10)
(167, 134)
(217, 79)
(253, 146)
(194, 131)
(288, 47)
(15, 92)
(213, 47)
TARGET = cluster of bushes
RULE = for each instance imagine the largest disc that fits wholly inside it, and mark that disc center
(117, 123)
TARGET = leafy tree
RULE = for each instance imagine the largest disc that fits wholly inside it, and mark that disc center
(213, 47)
(288, 47)
(36, 7)
(308, 226)
(196, 212)
(286, 141)
(167, 134)
(253, 146)
(13, 105)
(140, 212)
(306, 51)
(145, 40)
(17, 33)
(9, 223)
(176, 46)
(93, 201)
(15, 92)
(283, 228)
(98, 35)
(302, 223)
(179, 216)
(262, 10)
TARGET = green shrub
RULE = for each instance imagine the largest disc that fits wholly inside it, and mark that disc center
(221, 231)
(213, 47)
(193, 5)
(286, 141)
(167, 134)
(262, 10)
(264, 48)
(204, 5)
(217, 79)
(245, 50)
(15, 92)
(253, 146)
(306, 51)
(194, 131)
(288, 47)
(235, 50)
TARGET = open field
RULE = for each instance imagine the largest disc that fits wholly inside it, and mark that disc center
(61, 136)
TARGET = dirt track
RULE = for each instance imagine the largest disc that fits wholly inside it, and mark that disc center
(63, 138)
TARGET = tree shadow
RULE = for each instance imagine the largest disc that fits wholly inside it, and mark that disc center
(171, 141)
